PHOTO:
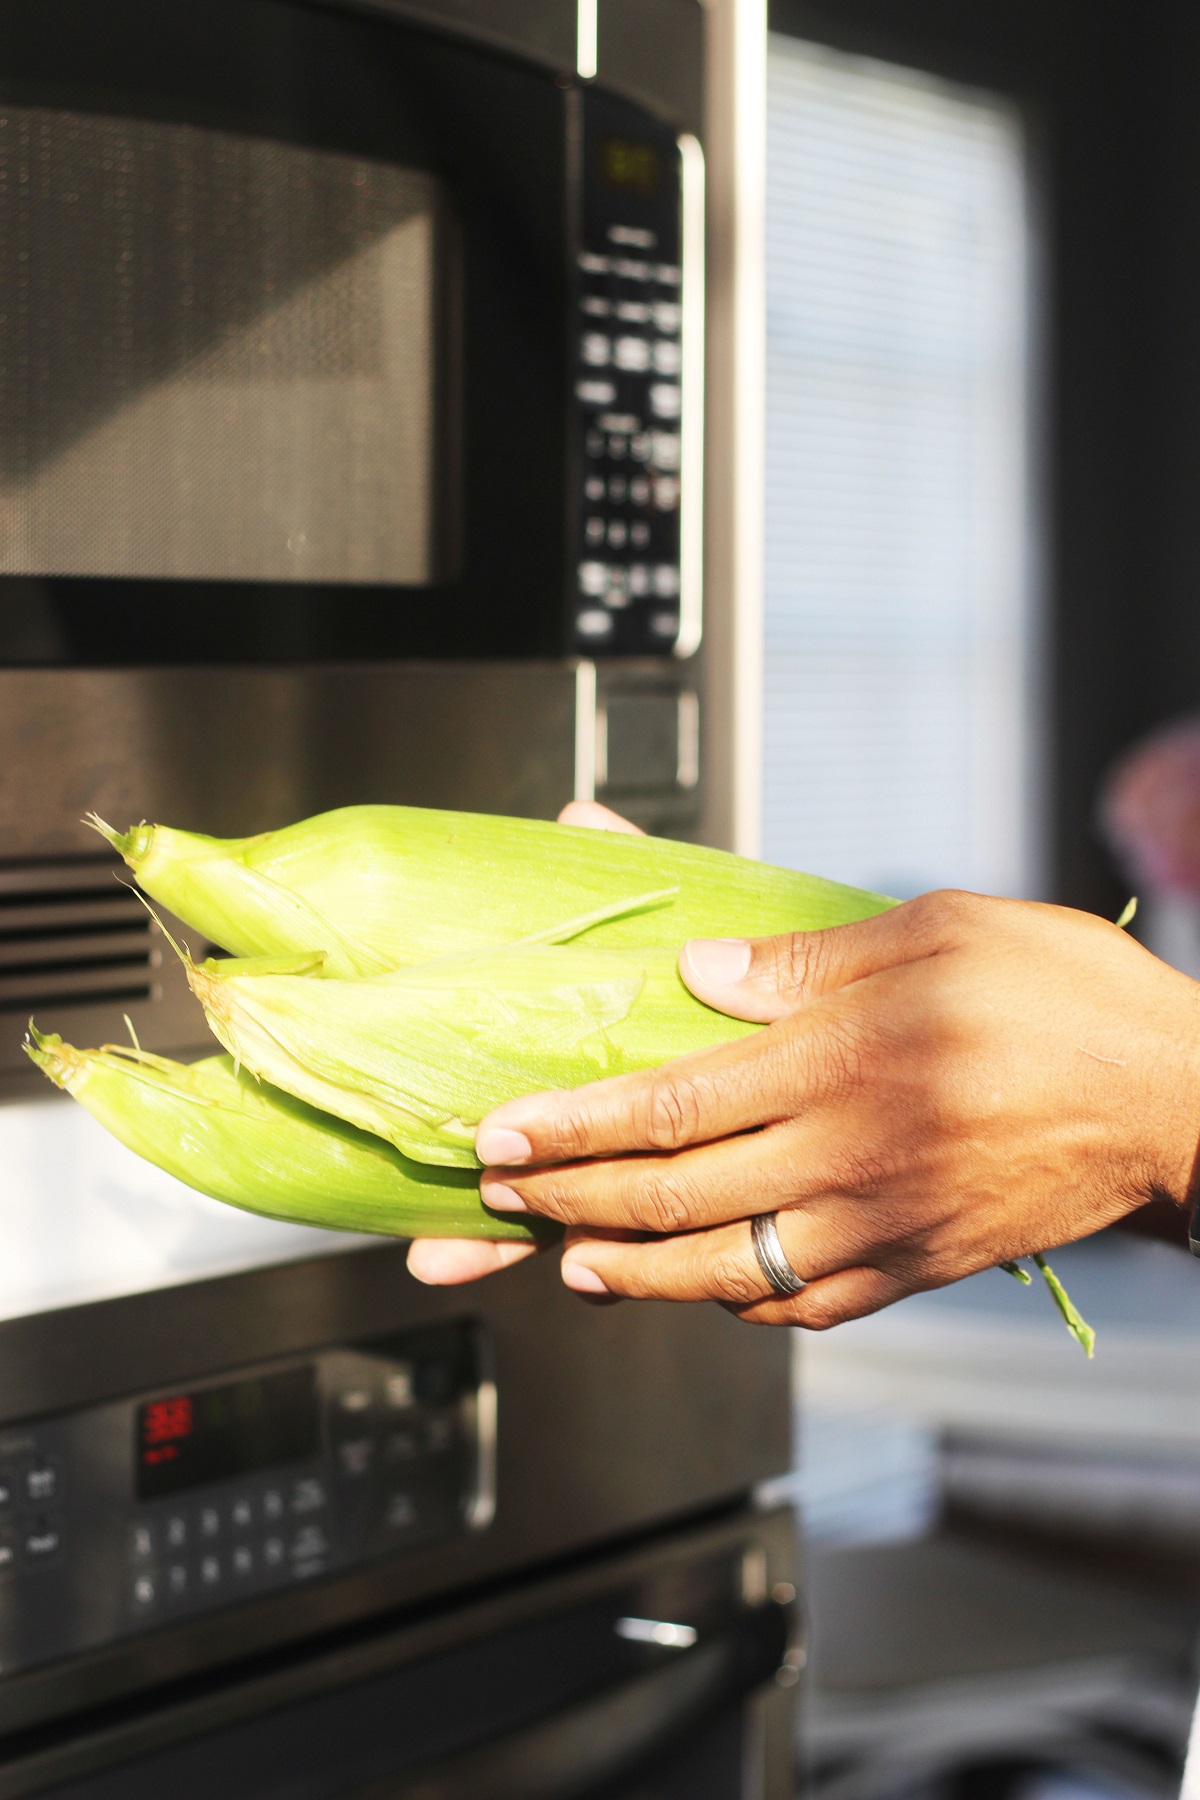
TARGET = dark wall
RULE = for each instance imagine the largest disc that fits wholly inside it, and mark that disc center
(1111, 96)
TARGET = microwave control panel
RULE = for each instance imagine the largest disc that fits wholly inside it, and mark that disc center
(130, 1516)
(637, 413)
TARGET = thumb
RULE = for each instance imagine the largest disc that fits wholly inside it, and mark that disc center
(764, 979)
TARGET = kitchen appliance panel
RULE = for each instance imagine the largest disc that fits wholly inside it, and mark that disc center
(666, 1667)
(576, 1461)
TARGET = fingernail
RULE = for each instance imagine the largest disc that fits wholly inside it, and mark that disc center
(718, 961)
(497, 1145)
(583, 1280)
(501, 1198)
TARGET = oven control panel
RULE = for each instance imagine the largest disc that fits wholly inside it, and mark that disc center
(637, 399)
(128, 1516)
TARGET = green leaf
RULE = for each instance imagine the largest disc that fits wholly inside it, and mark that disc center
(1075, 1322)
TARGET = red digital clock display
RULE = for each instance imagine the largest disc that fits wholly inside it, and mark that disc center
(212, 1433)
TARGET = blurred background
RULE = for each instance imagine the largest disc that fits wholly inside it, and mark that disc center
(981, 548)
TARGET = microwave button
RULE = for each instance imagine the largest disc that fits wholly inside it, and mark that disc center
(665, 399)
(639, 490)
(639, 579)
(143, 1591)
(308, 1495)
(667, 357)
(595, 393)
(593, 488)
(594, 624)
(666, 493)
(666, 581)
(669, 274)
(175, 1531)
(629, 270)
(664, 624)
(593, 531)
(636, 236)
(141, 1543)
(210, 1522)
(591, 264)
(618, 531)
(274, 1552)
(596, 349)
(243, 1560)
(42, 1540)
(596, 306)
(665, 452)
(210, 1570)
(618, 446)
(633, 312)
(41, 1483)
(639, 534)
(632, 353)
(667, 314)
(640, 446)
(594, 443)
(618, 487)
(177, 1581)
(593, 577)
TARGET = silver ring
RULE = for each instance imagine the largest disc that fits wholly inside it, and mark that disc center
(764, 1235)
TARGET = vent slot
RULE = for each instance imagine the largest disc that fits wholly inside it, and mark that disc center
(72, 935)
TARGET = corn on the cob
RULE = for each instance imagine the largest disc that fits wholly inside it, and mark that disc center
(229, 1136)
(384, 887)
(420, 1055)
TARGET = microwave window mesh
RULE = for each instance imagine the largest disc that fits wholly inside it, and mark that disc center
(217, 356)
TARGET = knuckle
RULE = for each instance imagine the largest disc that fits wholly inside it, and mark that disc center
(671, 1202)
(731, 1281)
(670, 1112)
(557, 1197)
(799, 958)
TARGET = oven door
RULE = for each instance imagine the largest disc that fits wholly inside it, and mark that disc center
(662, 1674)
(283, 337)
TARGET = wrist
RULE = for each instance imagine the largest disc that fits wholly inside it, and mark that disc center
(1174, 1155)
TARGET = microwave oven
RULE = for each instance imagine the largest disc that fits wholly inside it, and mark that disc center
(329, 336)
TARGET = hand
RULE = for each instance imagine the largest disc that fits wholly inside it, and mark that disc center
(447, 1261)
(938, 1089)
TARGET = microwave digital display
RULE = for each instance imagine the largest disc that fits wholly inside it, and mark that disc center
(187, 1439)
(628, 165)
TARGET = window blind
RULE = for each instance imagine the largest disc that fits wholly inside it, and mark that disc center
(900, 627)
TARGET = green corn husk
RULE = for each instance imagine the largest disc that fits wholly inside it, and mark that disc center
(222, 1132)
(420, 1055)
(382, 887)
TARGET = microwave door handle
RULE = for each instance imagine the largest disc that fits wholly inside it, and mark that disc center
(691, 406)
(597, 1741)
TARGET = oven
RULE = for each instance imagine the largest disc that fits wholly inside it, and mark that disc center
(351, 449)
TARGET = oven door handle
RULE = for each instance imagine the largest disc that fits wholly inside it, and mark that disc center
(584, 1747)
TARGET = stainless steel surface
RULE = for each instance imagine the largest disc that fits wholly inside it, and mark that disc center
(226, 752)
(691, 468)
(351, 1697)
(611, 1421)
(653, 50)
(650, 50)
(544, 30)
